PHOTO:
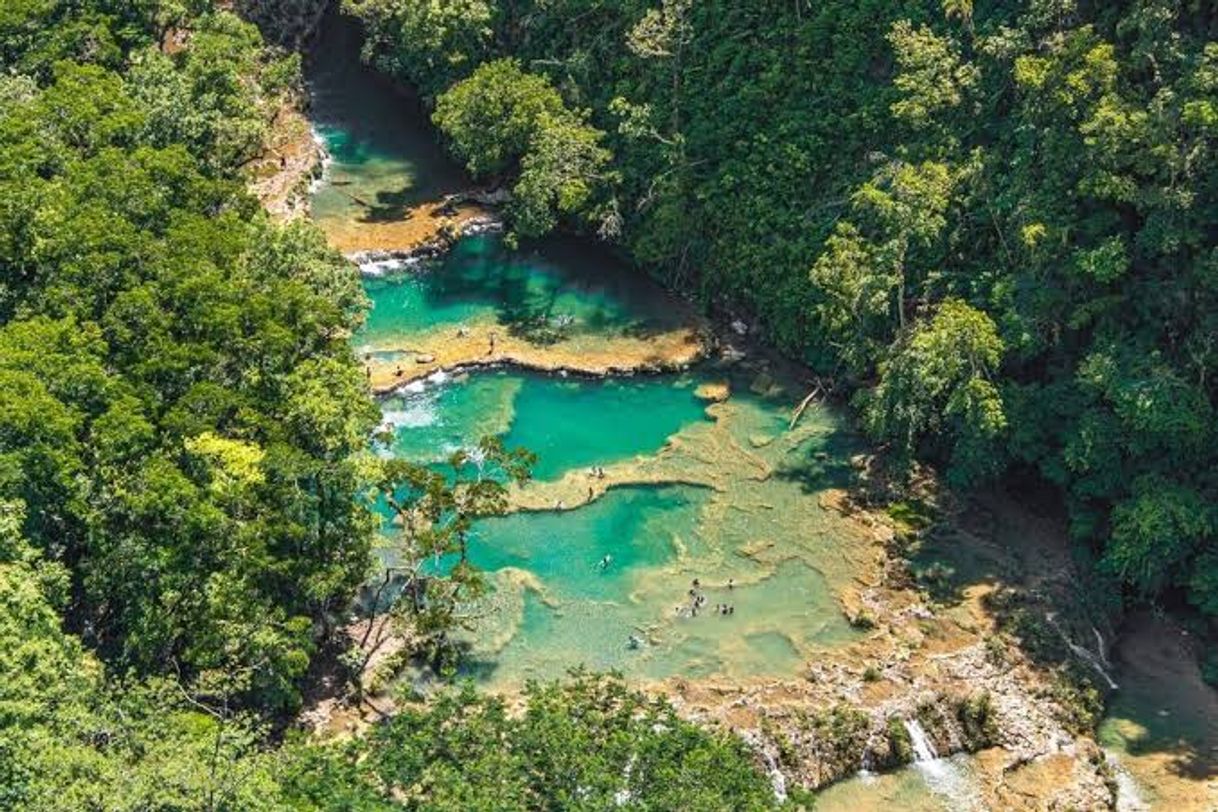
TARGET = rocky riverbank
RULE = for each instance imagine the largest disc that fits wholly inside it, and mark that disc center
(292, 159)
(948, 668)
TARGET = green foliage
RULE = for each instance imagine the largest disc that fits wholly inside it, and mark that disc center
(217, 96)
(68, 740)
(937, 385)
(1044, 162)
(977, 721)
(184, 476)
(900, 745)
(180, 413)
(1156, 531)
(504, 120)
(431, 44)
(586, 743)
(1209, 668)
(433, 513)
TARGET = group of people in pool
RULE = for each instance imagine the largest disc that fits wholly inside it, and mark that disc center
(697, 600)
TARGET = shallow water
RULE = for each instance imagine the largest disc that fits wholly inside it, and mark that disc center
(569, 423)
(384, 156)
(723, 492)
(904, 789)
(555, 606)
(548, 292)
(1161, 726)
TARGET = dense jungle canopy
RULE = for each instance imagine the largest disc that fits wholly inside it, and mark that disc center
(184, 464)
(991, 224)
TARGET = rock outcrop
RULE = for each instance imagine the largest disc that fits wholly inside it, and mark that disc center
(287, 22)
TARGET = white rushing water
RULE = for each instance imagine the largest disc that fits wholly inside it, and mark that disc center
(1096, 661)
(1129, 794)
(777, 780)
(943, 776)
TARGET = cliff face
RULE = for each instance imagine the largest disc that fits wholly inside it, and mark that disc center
(287, 22)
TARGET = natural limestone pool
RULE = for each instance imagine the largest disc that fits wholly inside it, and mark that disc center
(557, 347)
(717, 491)
(688, 472)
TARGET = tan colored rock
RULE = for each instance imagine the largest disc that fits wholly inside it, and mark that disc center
(714, 391)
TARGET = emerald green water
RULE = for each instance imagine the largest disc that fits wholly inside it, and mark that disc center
(722, 493)
(384, 156)
(577, 612)
(568, 423)
(551, 289)
(554, 606)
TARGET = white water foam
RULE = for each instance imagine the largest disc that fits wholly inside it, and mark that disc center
(414, 416)
(323, 177)
(1129, 794)
(942, 776)
(384, 267)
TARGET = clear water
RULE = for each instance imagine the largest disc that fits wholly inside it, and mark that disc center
(549, 291)
(568, 423)
(578, 612)
(554, 606)
(385, 156)
(720, 493)
(904, 789)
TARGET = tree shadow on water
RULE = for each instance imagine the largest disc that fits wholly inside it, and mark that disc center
(821, 463)
(390, 206)
(1163, 707)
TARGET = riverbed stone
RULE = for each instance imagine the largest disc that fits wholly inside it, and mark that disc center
(714, 391)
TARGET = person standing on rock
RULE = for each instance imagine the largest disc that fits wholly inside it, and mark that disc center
(491, 349)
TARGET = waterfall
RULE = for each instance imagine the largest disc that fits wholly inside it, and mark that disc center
(924, 749)
(777, 779)
(943, 776)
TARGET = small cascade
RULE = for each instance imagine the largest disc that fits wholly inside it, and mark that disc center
(777, 779)
(1129, 794)
(924, 749)
(943, 776)
(1089, 657)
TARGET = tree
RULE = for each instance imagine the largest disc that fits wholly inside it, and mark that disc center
(196, 462)
(426, 595)
(427, 43)
(936, 386)
(503, 120)
(584, 743)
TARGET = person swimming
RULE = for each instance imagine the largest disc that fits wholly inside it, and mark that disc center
(605, 562)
